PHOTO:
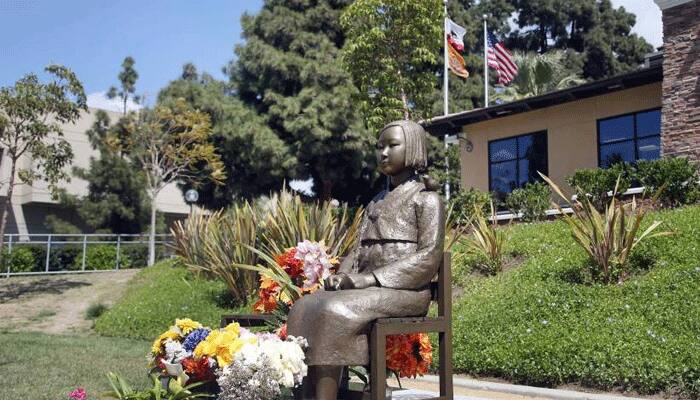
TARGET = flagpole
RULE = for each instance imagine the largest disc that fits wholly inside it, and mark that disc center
(445, 73)
(486, 66)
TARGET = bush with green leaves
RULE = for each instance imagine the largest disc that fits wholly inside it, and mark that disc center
(63, 256)
(486, 242)
(21, 259)
(102, 257)
(536, 325)
(609, 237)
(677, 176)
(464, 203)
(596, 183)
(532, 201)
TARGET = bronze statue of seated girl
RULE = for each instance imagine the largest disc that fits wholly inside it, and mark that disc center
(399, 250)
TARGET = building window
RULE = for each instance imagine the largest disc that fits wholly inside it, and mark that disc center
(515, 161)
(629, 138)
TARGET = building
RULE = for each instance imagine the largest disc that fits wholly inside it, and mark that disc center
(644, 114)
(32, 204)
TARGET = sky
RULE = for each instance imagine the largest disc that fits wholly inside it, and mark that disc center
(93, 37)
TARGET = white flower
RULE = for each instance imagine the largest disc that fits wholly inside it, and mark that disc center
(174, 352)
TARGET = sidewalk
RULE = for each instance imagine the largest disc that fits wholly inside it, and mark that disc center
(472, 389)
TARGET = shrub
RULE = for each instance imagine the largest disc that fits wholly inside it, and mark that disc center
(138, 253)
(610, 237)
(677, 176)
(39, 254)
(596, 183)
(95, 310)
(230, 243)
(464, 202)
(20, 260)
(214, 245)
(63, 257)
(102, 257)
(532, 201)
(486, 242)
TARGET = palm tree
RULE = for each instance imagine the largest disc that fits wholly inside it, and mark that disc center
(539, 74)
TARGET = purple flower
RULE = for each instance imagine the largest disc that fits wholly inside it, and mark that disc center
(193, 339)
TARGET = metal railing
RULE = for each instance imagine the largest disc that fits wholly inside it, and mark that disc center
(81, 242)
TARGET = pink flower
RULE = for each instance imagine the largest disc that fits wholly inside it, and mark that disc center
(78, 394)
(317, 265)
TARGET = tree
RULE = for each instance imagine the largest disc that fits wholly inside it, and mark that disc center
(116, 200)
(600, 33)
(392, 53)
(127, 80)
(255, 159)
(31, 114)
(539, 74)
(170, 143)
(293, 79)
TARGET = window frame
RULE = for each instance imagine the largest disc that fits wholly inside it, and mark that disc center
(635, 139)
(517, 152)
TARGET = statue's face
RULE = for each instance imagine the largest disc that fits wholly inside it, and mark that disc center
(391, 151)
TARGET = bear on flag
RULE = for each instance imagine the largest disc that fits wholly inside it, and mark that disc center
(455, 45)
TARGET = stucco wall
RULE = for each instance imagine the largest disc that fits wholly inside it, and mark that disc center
(31, 204)
(571, 132)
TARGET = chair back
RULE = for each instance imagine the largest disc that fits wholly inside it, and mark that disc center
(441, 288)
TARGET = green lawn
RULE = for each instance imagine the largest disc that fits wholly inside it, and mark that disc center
(160, 294)
(47, 367)
(539, 324)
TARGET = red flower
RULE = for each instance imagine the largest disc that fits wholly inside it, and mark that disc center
(409, 355)
(282, 332)
(197, 369)
(293, 267)
(78, 394)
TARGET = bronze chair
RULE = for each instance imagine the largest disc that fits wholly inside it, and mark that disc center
(442, 324)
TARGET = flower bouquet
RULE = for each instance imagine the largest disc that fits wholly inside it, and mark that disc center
(244, 365)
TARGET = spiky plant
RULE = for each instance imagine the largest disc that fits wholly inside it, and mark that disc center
(609, 237)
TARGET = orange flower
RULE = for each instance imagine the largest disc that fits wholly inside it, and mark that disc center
(267, 296)
(293, 267)
(198, 369)
(409, 355)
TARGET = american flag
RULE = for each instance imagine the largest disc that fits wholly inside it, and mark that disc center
(500, 59)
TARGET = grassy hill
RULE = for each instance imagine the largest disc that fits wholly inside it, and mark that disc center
(539, 323)
(160, 294)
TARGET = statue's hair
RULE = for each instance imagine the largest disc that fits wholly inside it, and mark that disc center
(416, 143)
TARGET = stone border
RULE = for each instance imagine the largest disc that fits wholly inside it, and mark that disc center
(522, 390)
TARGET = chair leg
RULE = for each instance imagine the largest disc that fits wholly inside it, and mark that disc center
(445, 344)
(377, 345)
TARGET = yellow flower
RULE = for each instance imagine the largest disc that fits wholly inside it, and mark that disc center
(233, 327)
(157, 346)
(221, 345)
(186, 325)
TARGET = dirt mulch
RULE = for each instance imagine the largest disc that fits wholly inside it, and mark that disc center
(57, 304)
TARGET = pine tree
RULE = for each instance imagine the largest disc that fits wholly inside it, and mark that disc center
(256, 160)
(598, 32)
(289, 71)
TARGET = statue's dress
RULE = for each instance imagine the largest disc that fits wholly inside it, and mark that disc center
(401, 244)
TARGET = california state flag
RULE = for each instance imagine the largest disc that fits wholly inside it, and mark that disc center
(455, 45)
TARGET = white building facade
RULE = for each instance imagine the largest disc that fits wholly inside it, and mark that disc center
(32, 204)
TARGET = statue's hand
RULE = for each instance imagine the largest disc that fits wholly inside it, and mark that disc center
(360, 281)
(333, 282)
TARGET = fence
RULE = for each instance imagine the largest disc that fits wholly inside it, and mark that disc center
(36, 254)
